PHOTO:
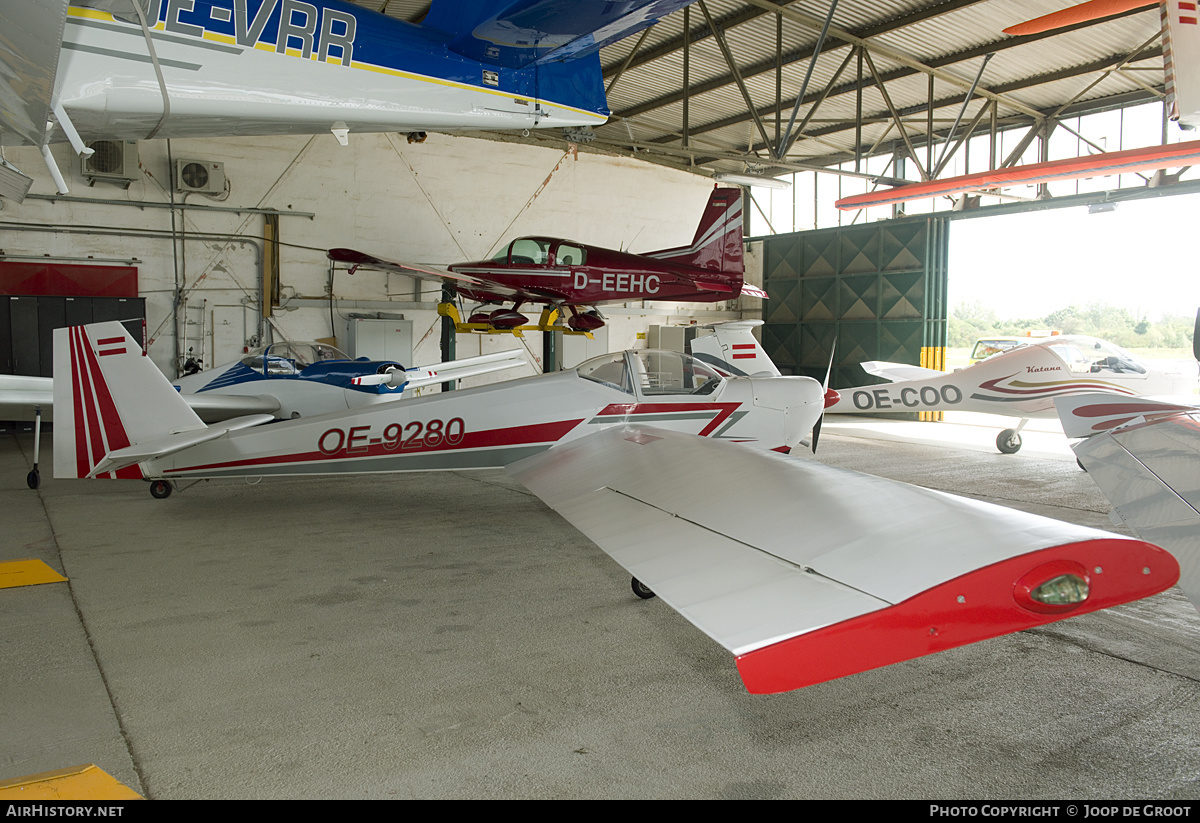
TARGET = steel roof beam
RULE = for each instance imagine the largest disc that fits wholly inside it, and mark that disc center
(955, 100)
(933, 67)
(802, 53)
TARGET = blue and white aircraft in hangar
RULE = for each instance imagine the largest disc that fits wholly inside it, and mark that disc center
(139, 69)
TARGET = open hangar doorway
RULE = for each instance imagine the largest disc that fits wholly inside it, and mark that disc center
(1117, 267)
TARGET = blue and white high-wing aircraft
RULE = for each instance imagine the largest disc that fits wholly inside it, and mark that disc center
(138, 69)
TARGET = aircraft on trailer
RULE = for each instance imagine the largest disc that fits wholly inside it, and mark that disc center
(836, 573)
(213, 68)
(1181, 50)
(564, 274)
(1019, 382)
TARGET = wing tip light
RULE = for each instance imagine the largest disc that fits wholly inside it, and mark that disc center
(1015, 594)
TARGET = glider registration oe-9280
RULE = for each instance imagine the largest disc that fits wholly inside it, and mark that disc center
(837, 573)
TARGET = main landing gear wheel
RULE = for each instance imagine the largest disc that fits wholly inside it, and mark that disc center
(640, 589)
(160, 489)
(33, 479)
(1008, 441)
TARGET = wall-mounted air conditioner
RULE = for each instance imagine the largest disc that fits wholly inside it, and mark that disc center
(112, 161)
(199, 176)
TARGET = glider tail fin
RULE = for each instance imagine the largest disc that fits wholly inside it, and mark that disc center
(717, 245)
(108, 396)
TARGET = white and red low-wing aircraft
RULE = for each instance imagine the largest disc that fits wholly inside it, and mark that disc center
(287, 379)
(1020, 382)
(658, 459)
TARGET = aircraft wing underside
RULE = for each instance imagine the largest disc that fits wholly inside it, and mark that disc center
(29, 48)
(807, 572)
(358, 259)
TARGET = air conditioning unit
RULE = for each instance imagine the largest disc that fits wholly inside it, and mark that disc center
(112, 161)
(199, 176)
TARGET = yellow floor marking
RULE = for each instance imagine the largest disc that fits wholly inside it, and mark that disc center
(88, 782)
(27, 573)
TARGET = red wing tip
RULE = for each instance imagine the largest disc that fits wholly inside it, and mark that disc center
(1023, 28)
(981, 604)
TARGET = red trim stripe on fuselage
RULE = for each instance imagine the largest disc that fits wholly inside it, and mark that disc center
(532, 435)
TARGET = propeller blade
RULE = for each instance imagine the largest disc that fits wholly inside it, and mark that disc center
(1083, 13)
(831, 397)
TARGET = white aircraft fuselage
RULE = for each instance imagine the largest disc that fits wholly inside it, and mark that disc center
(230, 71)
(1022, 382)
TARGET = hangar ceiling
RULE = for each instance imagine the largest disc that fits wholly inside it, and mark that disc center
(713, 87)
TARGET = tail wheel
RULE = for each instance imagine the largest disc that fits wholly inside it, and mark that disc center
(640, 589)
(1008, 441)
(33, 479)
(160, 489)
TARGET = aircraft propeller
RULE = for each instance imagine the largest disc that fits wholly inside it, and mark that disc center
(831, 397)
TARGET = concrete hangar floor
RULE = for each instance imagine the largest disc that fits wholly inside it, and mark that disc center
(448, 636)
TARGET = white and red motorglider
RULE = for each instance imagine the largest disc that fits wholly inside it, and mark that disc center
(804, 572)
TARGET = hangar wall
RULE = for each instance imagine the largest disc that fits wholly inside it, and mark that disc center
(446, 200)
(879, 290)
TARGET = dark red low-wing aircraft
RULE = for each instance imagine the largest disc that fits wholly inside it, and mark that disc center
(566, 274)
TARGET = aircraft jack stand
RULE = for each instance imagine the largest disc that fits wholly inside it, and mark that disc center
(545, 323)
(1009, 440)
(34, 479)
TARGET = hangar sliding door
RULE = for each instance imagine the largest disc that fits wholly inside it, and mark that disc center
(879, 290)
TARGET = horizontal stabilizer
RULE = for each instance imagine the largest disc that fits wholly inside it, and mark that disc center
(895, 372)
(1149, 469)
(120, 458)
(1084, 415)
(850, 572)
